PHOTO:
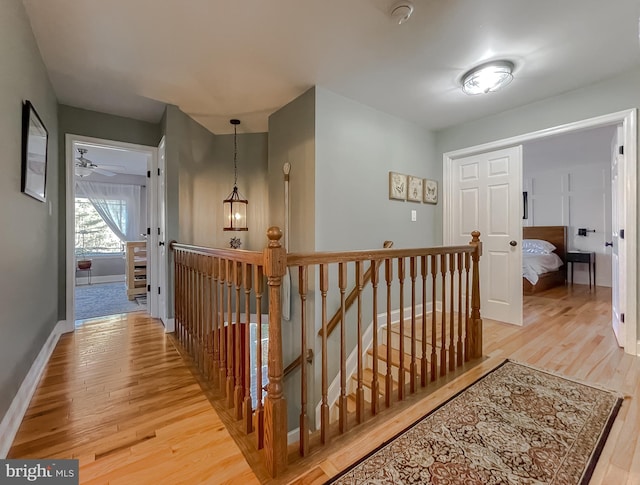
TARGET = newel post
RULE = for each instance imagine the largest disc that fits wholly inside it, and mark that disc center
(275, 409)
(475, 339)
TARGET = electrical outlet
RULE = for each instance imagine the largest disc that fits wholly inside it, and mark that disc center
(414, 216)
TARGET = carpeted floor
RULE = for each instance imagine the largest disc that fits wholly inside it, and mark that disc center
(99, 300)
(516, 425)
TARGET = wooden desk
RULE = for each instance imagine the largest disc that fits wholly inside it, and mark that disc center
(583, 257)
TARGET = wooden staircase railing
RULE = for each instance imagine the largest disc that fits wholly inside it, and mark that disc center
(219, 296)
(353, 295)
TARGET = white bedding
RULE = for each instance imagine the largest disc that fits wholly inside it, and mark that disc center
(534, 265)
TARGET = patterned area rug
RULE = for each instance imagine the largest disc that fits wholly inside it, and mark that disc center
(516, 425)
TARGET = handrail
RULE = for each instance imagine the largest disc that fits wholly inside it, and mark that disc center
(240, 255)
(296, 362)
(308, 259)
(351, 298)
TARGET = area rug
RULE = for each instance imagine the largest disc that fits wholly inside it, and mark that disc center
(515, 425)
(99, 300)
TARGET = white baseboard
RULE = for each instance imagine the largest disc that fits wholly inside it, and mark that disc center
(293, 436)
(113, 278)
(13, 418)
(169, 325)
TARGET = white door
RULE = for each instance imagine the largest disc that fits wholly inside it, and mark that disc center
(487, 196)
(162, 243)
(617, 243)
(148, 236)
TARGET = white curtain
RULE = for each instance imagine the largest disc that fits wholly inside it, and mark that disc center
(117, 204)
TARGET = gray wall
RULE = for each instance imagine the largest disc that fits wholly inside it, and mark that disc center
(199, 176)
(292, 140)
(341, 152)
(615, 94)
(29, 242)
(356, 147)
(84, 122)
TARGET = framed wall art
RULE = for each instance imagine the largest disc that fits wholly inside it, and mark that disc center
(397, 186)
(430, 191)
(34, 153)
(414, 189)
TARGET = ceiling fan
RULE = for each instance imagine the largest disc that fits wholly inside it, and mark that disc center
(85, 167)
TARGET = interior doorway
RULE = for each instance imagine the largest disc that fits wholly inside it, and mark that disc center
(110, 223)
(109, 208)
(627, 120)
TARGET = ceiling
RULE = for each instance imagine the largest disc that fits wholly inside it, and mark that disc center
(222, 59)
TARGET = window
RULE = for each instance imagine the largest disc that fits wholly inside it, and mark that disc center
(93, 236)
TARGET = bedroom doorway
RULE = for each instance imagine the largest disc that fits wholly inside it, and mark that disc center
(109, 207)
(627, 281)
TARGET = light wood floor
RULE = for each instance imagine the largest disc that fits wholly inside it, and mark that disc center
(567, 330)
(117, 396)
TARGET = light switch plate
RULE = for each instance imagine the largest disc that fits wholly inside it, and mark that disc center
(414, 216)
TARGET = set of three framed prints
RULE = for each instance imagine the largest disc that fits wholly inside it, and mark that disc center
(414, 189)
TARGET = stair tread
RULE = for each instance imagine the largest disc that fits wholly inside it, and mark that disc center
(395, 355)
(367, 379)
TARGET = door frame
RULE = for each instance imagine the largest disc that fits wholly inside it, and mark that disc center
(628, 119)
(70, 187)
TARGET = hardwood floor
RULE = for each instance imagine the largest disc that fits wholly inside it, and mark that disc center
(117, 395)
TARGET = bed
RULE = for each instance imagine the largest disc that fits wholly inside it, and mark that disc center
(556, 235)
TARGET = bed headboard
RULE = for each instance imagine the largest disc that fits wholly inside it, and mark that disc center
(556, 235)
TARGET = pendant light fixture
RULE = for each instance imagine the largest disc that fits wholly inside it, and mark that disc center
(235, 206)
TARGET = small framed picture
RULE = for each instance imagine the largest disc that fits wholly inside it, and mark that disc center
(414, 187)
(430, 191)
(397, 186)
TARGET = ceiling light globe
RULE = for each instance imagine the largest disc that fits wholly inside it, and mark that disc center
(488, 78)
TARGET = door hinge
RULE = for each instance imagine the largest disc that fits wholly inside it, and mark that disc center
(621, 149)
(158, 231)
(148, 231)
(621, 233)
(622, 317)
(148, 174)
(158, 290)
(148, 287)
(158, 172)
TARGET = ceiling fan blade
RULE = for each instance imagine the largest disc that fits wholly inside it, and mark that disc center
(103, 172)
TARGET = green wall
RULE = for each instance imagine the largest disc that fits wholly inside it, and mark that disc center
(29, 241)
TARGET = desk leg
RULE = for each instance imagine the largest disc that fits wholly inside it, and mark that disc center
(594, 274)
(589, 275)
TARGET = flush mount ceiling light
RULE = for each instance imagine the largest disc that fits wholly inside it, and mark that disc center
(488, 77)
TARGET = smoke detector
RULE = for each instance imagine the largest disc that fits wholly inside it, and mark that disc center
(401, 12)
